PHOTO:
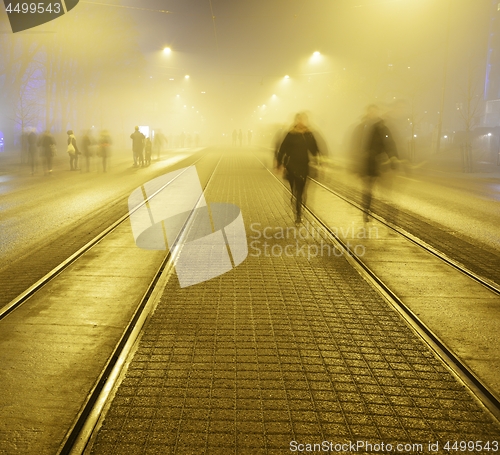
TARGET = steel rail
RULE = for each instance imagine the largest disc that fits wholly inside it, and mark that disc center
(24, 296)
(457, 367)
(490, 285)
(79, 437)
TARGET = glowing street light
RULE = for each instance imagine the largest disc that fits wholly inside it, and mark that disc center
(186, 76)
(167, 50)
(315, 57)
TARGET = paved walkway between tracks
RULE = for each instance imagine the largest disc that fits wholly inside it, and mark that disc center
(283, 351)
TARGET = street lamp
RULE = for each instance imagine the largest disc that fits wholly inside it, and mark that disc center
(315, 57)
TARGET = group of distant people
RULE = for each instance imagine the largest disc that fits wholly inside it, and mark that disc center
(46, 144)
(141, 148)
(238, 137)
(372, 144)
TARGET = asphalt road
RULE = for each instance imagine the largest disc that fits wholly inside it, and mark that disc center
(36, 209)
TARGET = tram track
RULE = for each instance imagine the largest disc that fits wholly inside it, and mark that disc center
(28, 275)
(81, 432)
(487, 283)
(46, 309)
(459, 368)
(478, 260)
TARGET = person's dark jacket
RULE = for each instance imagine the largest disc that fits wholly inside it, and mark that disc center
(86, 144)
(294, 151)
(137, 141)
(372, 142)
(46, 141)
(379, 142)
(32, 143)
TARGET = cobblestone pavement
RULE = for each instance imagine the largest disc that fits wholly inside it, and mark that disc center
(281, 349)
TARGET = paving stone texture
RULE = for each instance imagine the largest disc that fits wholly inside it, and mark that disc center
(282, 348)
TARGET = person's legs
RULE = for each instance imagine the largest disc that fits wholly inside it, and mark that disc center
(300, 182)
(368, 183)
(49, 162)
(291, 179)
(32, 163)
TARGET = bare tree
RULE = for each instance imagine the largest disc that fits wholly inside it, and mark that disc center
(28, 107)
(81, 55)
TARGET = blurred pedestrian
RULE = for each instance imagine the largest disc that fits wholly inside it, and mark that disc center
(32, 142)
(278, 137)
(372, 143)
(73, 151)
(47, 145)
(87, 144)
(104, 149)
(138, 140)
(293, 154)
(24, 146)
(159, 140)
(147, 150)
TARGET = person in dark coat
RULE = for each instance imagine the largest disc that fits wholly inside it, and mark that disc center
(47, 145)
(158, 142)
(372, 144)
(147, 149)
(293, 154)
(87, 143)
(138, 140)
(104, 149)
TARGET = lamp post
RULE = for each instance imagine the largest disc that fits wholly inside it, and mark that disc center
(443, 90)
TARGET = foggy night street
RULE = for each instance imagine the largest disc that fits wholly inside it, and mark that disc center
(249, 227)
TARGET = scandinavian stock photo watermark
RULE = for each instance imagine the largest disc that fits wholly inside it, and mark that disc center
(171, 211)
(308, 240)
(364, 446)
